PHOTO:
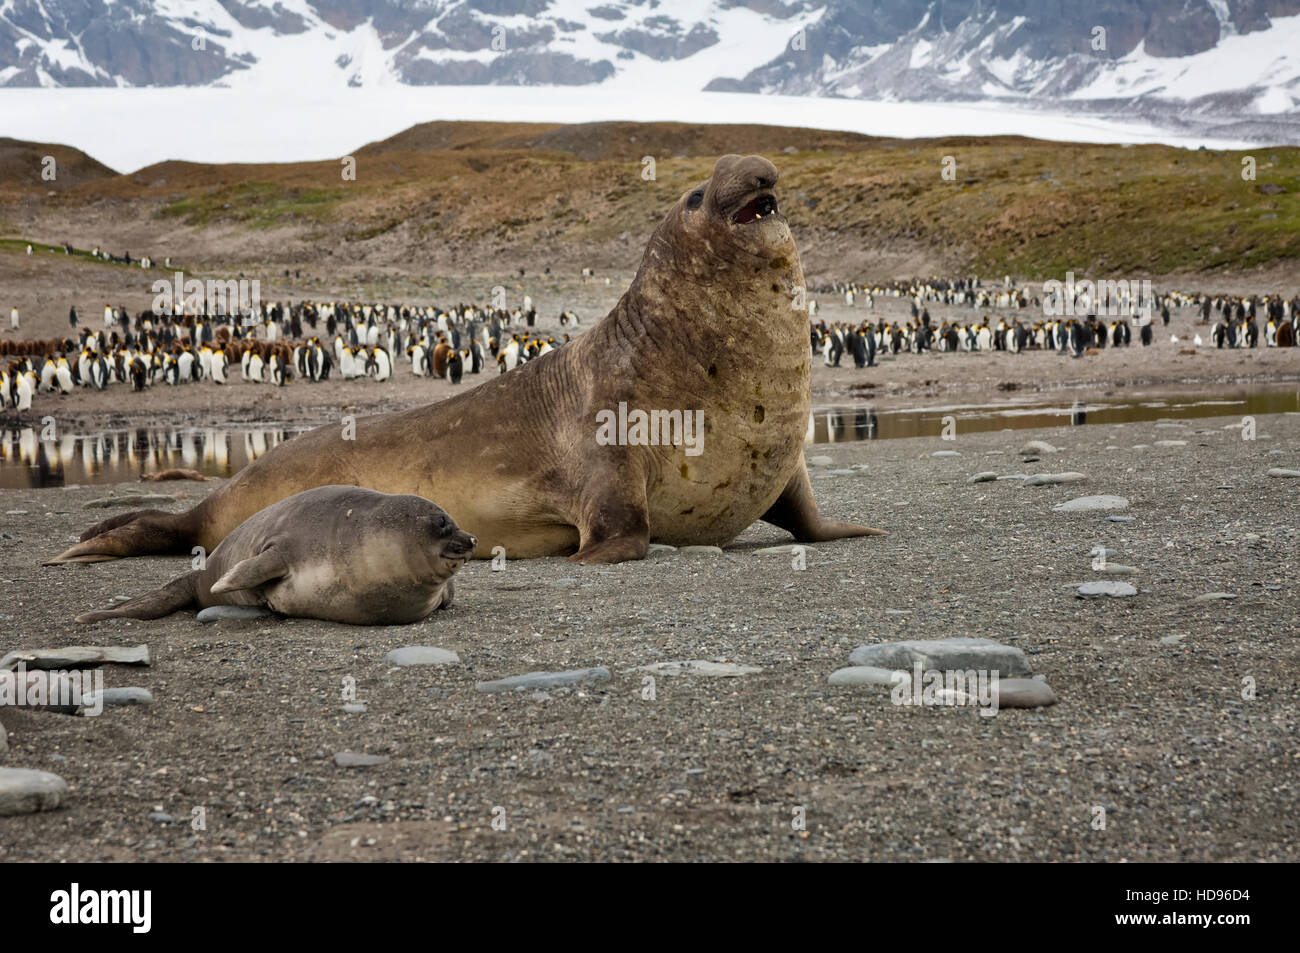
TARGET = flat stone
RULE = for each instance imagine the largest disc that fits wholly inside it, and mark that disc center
(1038, 446)
(231, 613)
(820, 461)
(544, 680)
(842, 472)
(1215, 596)
(1091, 504)
(1171, 443)
(130, 499)
(984, 477)
(701, 550)
(1283, 472)
(1120, 519)
(943, 654)
(76, 656)
(24, 791)
(946, 453)
(783, 550)
(110, 697)
(1090, 590)
(351, 759)
(1171, 640)
(1141, 446)
(1015, 476)
(1115, 569)
(1053, 479)
(421, 655)
(865, 675)
(1024, 693)
(158, 817)
(698, 667)
(1030, 459)
(661, 548)
(355, 708)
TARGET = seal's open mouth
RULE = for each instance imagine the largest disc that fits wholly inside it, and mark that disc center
(761, 206)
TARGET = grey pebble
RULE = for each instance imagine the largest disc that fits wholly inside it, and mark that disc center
(109, 697)
(421, 655)
(1053, 479)
(959, 653)
(219, 613)
(983, 477)
(24, 791)
(1284, 473)
(946, 453)
(355, 708)
(1091, 504)
(1115, 569)
(864, 675)
(158, 817)
(700, 550)
(1215, 596)
(1121, 519)
(1117, 589)
(1024, 693)
(543, 680)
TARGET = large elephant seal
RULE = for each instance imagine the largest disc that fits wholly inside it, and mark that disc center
(340, 553)
(708, 324)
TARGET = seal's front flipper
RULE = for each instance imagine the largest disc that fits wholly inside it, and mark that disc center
(796, 511)
(267, 566)
(177, 594)
(614, 522)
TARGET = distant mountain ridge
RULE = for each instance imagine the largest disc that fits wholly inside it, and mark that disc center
(1230, 65)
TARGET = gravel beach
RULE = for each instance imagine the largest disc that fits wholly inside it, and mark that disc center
(1174, 737)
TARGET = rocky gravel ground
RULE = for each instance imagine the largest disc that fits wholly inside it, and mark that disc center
(1174, 736)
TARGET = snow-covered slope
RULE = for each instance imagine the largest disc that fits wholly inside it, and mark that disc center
(1225, 69)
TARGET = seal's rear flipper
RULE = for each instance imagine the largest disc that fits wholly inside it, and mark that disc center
(177, 594)
(266, 566)
(138, 533)
(796, 511)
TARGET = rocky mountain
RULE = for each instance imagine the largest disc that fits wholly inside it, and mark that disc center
(1227, 64)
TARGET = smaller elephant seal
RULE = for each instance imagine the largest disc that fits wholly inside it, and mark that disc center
(339, 553)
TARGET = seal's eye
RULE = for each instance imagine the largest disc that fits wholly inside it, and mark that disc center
(440, 525)
(695, 199)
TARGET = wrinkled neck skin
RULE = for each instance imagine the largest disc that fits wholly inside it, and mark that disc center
(699, 301)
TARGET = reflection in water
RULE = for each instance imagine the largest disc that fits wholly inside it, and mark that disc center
(840, 424)
(120, 456)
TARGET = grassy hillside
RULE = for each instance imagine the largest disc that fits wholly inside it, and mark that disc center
(478, 190)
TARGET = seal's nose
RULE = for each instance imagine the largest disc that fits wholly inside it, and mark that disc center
(748, 173)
